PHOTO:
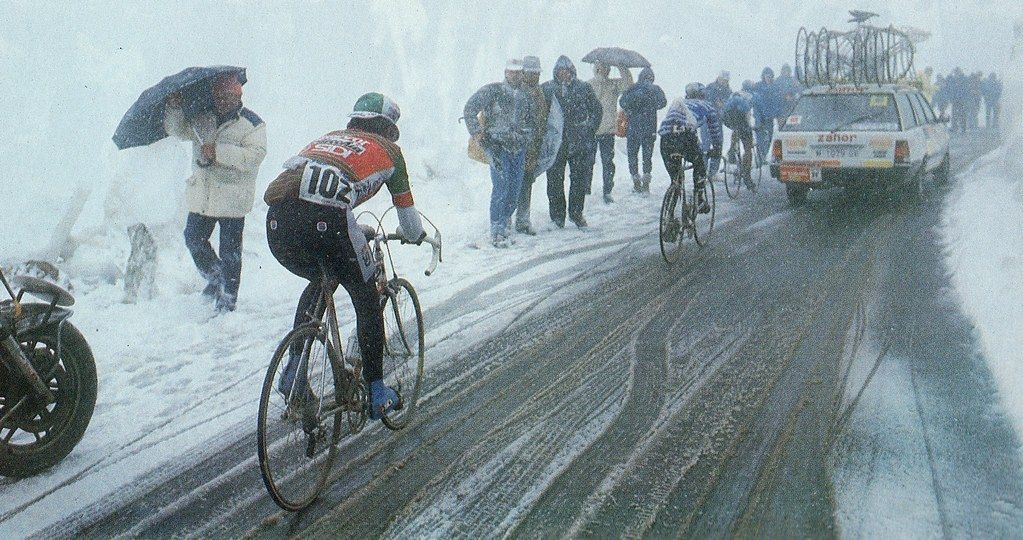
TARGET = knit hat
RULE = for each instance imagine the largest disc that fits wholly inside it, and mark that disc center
(531, 64)
(513, 65)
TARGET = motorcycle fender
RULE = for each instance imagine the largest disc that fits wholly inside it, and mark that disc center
(33, 317)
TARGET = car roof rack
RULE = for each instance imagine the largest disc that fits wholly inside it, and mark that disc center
(865, 55)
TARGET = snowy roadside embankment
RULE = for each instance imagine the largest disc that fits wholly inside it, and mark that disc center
(983, 230)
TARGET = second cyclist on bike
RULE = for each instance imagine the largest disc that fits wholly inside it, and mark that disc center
(736, 117)
(680, 135)
(312, 231)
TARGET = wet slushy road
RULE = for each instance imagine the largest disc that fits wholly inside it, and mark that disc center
(712, 398)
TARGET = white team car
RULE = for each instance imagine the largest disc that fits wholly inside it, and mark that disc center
(860, 137)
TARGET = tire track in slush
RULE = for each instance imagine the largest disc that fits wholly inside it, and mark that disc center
(713, 494)
(484, 497)
(535, 468)
(106, 507)
(200, 515)
(636, 298)
(574, 495)
(541, 458)
(595, 358)
(499, 387)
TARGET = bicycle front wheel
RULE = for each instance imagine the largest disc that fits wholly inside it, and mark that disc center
(404, 349)
(703, 223)
(299, 418)
(671, 224)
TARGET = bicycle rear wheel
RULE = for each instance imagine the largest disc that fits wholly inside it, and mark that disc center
(670, 232)
(758, 167)
(758, 172)
(703, 224)
(404, 349)
(299, 418)
(733, 174)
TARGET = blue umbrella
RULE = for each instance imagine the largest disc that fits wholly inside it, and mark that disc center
(143, 123)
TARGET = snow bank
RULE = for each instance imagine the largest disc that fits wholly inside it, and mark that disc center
(984, 237)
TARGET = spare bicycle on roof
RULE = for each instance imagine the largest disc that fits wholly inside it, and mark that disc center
(864, 55)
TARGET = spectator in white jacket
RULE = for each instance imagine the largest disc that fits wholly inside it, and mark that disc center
(228, 145)
(608, 91)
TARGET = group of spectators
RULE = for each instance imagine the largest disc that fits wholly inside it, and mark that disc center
(964, 94)
(509, 122)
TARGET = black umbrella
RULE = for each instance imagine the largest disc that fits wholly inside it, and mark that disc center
(143, 123)
(616, 56)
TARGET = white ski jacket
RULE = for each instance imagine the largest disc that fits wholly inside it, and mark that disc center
(227, 187)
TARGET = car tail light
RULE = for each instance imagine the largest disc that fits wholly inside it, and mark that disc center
(901, 152)
(776, 151)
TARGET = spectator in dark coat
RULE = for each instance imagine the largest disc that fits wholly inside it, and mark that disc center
(719, 91)
(506, 131)
(789, 88)
(582, 112)
(991, 88)
(641, 103)
(958, 94)
(975, 82)
(768, 104)
(940, 99)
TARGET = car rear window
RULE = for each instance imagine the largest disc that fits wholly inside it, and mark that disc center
(928, 112)
(844, 112)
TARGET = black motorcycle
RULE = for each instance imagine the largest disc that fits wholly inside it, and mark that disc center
(47, 378)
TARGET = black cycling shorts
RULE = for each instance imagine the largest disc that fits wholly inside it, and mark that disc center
(311, 240)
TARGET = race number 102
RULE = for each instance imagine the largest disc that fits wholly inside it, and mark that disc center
(325, 184)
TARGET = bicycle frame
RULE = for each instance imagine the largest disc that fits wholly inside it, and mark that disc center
(325, 311)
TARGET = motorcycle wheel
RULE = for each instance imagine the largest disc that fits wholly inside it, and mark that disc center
(35, 436)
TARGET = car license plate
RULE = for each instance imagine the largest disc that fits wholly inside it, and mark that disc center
(836, 152)
(796, 173)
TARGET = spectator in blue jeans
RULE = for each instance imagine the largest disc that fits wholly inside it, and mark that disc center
(222, 273)
(228, 145)
(500, 117)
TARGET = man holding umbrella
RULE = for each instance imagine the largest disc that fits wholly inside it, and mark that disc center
(608, 91)
(228, 145)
